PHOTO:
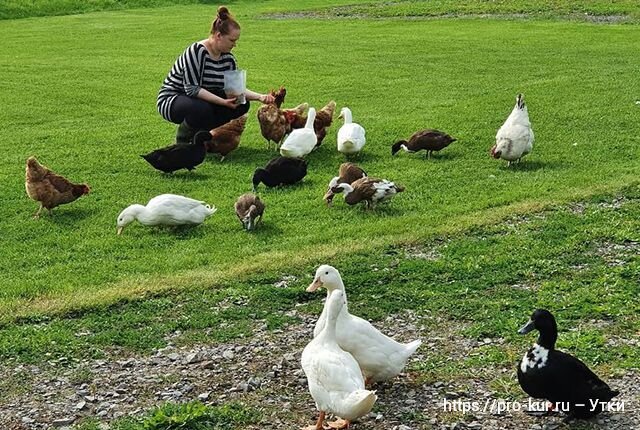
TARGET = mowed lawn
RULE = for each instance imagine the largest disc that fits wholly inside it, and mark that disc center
(79, 93)
(470, 249)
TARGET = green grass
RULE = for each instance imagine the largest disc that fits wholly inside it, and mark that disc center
(89, 110)
(488, 279)
(79, 92)
(192, 416)
(624, 10)
(627, 9)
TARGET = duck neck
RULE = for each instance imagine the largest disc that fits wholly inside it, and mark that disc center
(140, 213)
(311, 117)
(346, 114)
(339, 286)
(346, 190)
(547, 339)
(329, 331)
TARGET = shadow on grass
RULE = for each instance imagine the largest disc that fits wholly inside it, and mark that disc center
(266, 229)
(67, 216)
(180, 175)
(301, 185)
(363, 157)
(361, 211)
(534, 165)
(182, 232)
(243, 156)
(422, 155)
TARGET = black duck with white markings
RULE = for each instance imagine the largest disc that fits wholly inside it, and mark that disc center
(560, 378)
(428, 140)
(180, 156)
(280, 171)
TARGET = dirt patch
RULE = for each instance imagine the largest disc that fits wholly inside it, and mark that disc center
(264, 372)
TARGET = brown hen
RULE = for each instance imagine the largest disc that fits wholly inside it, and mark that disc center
(296, 117)
(50, 189)
(273, 124)
(226, 138)
(324, 118)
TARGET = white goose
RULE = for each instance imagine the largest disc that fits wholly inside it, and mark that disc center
(379, 356)
(351, 137)
(515, 138)
(335, 380)
(301, 141)
(166, 209)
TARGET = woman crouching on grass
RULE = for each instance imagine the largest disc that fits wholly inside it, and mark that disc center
(192, 94)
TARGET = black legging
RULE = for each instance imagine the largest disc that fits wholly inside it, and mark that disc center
(203, 115)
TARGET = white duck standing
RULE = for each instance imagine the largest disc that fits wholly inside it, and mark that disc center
(379, 356)
(301, 141)
(334, 377)
(166, 209)
(514, 139)
(351, 136)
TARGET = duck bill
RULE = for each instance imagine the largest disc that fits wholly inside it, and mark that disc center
(119, 231)
(317, 283)
(328, 197)
(526, 328)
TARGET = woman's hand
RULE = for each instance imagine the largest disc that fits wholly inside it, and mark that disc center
(267, 98)
(230, 103)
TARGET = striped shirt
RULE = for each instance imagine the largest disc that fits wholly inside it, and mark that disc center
(193, 69)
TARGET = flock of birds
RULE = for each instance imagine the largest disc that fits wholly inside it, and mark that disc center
(347, 353)
(297, 131)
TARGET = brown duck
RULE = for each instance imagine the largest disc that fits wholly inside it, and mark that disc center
(430, 140)
(370, 191)
(249, 209)
(348, 173)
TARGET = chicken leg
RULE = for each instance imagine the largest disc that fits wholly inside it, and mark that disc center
(37, 214)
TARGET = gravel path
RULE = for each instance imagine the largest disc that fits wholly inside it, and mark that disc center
(264, 372)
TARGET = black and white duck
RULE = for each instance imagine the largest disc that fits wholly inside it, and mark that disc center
(560, 378)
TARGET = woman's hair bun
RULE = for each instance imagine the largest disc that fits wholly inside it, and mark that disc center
(223, 13)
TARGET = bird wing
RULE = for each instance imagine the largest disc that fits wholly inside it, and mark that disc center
(173, 202)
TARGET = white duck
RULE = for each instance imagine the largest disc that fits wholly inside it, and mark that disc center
(335, 380)
(351, 137)
(379, 356)
(301, 141)
(514, 139)
(166, 209)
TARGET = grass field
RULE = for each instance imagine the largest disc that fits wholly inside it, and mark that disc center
(89, 110)
(78, 91)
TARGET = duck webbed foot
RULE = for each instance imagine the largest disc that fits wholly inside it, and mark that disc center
(339, 424)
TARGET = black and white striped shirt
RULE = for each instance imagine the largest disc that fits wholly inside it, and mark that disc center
(194, 69)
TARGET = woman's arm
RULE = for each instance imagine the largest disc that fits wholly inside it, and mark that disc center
(212, 98)
(263, 98)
